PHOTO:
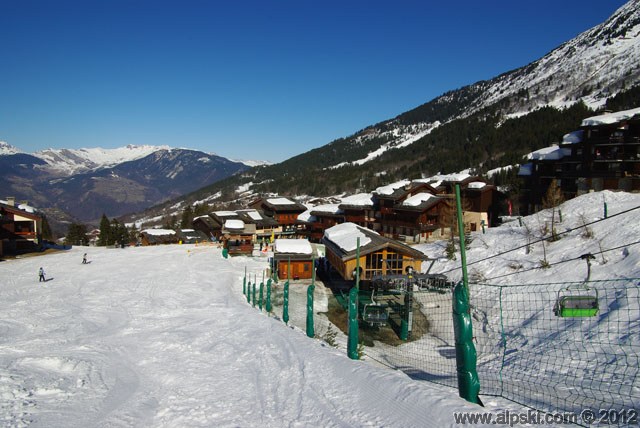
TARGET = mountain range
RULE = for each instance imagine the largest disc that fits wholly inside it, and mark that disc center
(82, 184)
(488, 124)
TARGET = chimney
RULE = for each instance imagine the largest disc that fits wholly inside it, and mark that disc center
(11, 201)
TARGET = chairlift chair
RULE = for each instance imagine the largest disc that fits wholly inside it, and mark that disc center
(374, 314)
(579, 301)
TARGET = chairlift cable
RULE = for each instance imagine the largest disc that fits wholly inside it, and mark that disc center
(544, 239)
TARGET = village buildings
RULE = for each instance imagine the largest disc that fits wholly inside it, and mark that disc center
(20, 228)
(604, 153)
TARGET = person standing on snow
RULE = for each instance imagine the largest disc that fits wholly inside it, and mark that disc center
(41, 275)
(84, 259)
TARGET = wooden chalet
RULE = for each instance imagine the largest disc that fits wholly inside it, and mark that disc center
(282, 210)
(20, 228)
(378, 255)
(604, 154)
(158, 237)
(359, 209)
(265, 227)
(191, 236)
(294, 258)
(237, 237)
(319, 218)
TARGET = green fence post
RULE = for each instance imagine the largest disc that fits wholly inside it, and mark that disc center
(254, 294)
(605, 210)
(269, 307)
(405, 321)
(466, 358)
(310, 290)
(310, 329)
(261, 297)
(560, 215)
(285, 304)
(244, 281)
(352, 340)
(225, 253)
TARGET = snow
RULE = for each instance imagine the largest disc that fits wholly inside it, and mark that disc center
(359, 199)
(611, 118)
(162, 336)
(234, 224)
(573, 137)
(8, 149)
(549, 153)
(327, 208)
(225, 213)
(390, 188)
(293, 246)
(415, 200)
(280, 201)
(254, 215)
(345, 236)
(159, 232)
(477, 185)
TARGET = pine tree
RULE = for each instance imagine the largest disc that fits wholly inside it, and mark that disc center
(77, 235)
(46, 229)
(552, 199)
(187, 218)
(104, 238)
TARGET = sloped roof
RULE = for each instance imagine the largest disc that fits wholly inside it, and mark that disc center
(344, 244)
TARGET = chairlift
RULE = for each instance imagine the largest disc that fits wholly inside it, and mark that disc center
(374, 314)
(579, 301)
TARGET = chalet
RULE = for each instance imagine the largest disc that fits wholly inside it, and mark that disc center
(238, 236)
(191, 236)
(158, 237)
(603, 154)
(319, 218)
(20, 227)
(416, 218)
(359, 209)
(265, 227)
(282, 210)
(294, 258)
(378, 255)
(206, 225)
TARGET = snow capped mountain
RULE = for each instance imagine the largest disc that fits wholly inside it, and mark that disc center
(595, 65)
(74, 161)
(8, 149)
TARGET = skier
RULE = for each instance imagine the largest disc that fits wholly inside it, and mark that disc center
(41, 275)
(84, 259)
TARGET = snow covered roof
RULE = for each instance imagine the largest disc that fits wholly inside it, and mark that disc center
(390, 188)
(234, 224)
(611, 118)
(345, 236)
(159, 232)
(549, 153)
(255, 215)
(477, 185)
(293, 246)
(307, 217)
(360, 199)
(280, 201)
(225, 213)
(573, 137)
(327, 209)
(415, 200)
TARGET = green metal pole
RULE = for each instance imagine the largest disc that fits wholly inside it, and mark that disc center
(463, 251)
(466, 357)
(261, 297)
(310, 328)
(352, 340)
(254, 293)
(269, 307)
(285, 304)
(605, 210)
(244, 281)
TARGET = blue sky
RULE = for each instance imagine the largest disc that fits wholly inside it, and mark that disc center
(253, 79)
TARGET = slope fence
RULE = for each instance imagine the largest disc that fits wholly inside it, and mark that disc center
(560, 347)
